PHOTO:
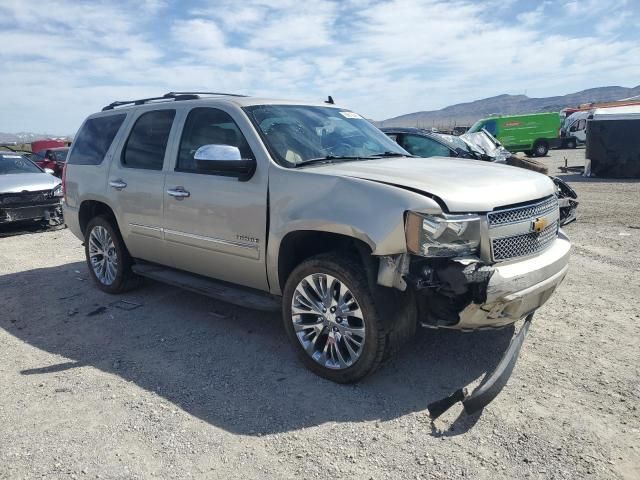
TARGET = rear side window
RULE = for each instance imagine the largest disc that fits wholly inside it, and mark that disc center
(424, 147)
(148, 140)
(94, 139)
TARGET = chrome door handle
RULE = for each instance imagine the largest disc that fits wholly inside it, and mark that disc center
(118, 184)
(178, 192)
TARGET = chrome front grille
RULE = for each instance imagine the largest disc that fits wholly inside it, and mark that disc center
(515, 232)
(523, 245)
(523, 213)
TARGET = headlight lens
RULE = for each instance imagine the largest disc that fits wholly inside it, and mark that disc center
(57, 192)
(442, 236)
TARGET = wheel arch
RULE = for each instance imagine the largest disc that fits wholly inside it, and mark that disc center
(299, 245)
(92, 208)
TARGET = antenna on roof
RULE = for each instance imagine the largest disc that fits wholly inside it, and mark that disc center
(329, 100)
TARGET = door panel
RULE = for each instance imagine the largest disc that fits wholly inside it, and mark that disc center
(136, 185)
(219, 229)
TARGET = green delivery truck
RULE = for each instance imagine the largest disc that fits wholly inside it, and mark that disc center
(533, 134)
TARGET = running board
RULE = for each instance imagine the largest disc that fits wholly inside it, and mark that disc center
(226, 292)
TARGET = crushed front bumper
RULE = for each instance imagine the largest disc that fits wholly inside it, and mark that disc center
(47, 212)
(519, 288)
(467, 294)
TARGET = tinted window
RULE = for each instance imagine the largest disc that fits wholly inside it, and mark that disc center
(94, 139)
(148, 140)
(209, 126)
(424, 147)
(15, 163)
(60, 155)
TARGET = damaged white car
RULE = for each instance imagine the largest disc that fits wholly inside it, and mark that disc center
(28, 193)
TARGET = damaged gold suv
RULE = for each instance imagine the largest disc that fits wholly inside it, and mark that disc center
(310, 209)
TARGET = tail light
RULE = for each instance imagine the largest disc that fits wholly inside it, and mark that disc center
(64, 182)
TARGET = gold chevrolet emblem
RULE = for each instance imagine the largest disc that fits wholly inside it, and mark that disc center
(539, 224)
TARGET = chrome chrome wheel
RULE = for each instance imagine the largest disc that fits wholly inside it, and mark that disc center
(328, 321)
(102, 255)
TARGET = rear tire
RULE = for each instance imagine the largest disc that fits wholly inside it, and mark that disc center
(540, 148)
(332, 320)
(571, 143)
(107, 257)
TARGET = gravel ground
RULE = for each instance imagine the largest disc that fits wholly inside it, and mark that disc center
(165, 383)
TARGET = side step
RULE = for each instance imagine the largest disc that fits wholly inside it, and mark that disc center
(226, 292)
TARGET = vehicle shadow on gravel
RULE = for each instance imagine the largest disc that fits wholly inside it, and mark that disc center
(22, 228)
(229, 366)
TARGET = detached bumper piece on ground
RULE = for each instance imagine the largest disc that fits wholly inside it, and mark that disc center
(492, 384)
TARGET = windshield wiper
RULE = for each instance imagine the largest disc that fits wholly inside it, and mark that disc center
(391, 154)
(331, 158)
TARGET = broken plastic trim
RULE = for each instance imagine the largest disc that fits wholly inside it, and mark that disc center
(567, 201)
(492, 384)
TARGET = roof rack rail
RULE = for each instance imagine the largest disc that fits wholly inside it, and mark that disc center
(173, 96)
(219, 94)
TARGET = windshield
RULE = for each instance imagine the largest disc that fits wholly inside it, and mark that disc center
(458, 143)
(476, 127)
(60, 155)
(14, 163)
(296, 134)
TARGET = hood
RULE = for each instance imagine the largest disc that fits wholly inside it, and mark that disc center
(488, 144)
(31, 182)
(465, 186)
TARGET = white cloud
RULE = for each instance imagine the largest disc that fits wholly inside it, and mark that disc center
(382, 58)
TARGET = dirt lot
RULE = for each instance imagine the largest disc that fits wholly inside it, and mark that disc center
(175, 385)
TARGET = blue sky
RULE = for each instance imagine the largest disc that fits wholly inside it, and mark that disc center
(63, 60)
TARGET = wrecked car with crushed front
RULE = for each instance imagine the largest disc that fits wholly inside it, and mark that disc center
(310, 209)
(480, 145)
(27, 193)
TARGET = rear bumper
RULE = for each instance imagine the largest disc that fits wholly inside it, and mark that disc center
(519, 288)
(72, 220)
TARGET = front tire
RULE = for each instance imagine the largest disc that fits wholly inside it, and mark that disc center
(107, 257)
(331, 318)
(540, 149)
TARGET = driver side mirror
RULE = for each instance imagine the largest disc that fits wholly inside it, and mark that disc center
(224, 160)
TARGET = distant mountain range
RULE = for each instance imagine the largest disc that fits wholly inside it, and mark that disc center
(26, 137)
(468, 113)
(459, 114)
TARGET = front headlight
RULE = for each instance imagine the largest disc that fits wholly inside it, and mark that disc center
(57, 192)
(442, 235)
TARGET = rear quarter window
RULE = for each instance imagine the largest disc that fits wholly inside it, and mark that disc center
(94, 139)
